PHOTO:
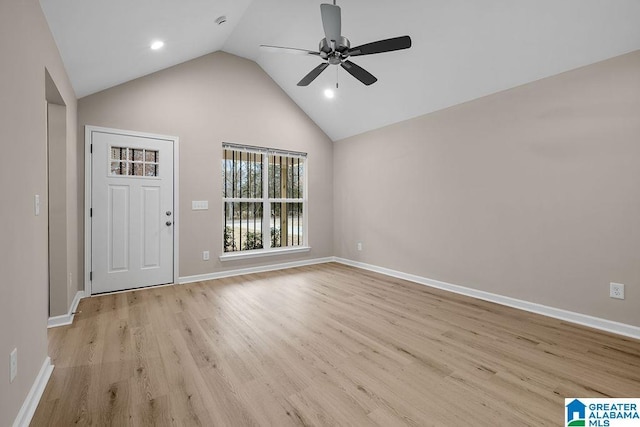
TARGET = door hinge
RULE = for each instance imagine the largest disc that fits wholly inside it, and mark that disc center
(91, 148)
(90, 212)
(90, 275)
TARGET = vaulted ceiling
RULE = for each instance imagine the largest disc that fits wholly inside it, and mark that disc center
(461, 49)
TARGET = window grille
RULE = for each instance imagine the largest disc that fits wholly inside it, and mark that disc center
(134, 162)
(264, 198)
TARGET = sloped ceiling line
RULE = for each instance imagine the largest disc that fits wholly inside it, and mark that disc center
(461, 50)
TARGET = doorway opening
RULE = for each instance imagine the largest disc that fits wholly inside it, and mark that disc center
(56, 145)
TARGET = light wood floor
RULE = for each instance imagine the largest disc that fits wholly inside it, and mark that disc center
(323, 345)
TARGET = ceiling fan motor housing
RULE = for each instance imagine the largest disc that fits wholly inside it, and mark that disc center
(337, 55)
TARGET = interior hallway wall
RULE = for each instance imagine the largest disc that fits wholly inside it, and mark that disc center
(57, 197)
(26, 49)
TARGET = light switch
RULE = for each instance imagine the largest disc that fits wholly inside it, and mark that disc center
(199, 205)
(36, 204)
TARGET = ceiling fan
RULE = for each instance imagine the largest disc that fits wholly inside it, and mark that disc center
(336, 49)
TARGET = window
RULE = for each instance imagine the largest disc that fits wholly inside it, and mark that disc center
(263, 193)
(133, 161)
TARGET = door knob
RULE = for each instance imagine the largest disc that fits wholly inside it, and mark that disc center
(168, 213)
(168, 222)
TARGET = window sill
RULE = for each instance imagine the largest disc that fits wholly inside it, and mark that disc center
(262, 253)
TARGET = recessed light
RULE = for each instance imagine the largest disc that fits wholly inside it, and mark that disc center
(329, 93)
(221, 20)
(157, 44)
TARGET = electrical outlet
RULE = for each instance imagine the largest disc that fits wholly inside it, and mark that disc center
(14, 364)
(359, 246)
(616, 290)
(205, 255)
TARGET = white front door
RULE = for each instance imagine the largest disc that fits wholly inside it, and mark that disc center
(132, 208)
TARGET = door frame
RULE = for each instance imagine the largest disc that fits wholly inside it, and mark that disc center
(88, 130)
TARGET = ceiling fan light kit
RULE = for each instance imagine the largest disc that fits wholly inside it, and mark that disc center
(335, 49)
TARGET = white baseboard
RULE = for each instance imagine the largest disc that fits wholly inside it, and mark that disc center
(66, 319)
(569, 316)
(33, 398)
(250, 270)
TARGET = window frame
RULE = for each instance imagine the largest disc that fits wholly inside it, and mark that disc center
(267, 201)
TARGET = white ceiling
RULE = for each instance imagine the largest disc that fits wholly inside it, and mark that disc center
(106, 42)
(461, 49)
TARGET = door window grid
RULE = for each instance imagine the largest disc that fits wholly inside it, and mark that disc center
(127, 161)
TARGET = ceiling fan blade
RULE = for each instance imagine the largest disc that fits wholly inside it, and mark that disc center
(388, 45)
(293, 50)
(359, 73)
(331, 22)
(313, 74)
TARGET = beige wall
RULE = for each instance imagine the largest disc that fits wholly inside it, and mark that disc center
(207, 101)
(531, 193)
(26, 48)
(57, 187)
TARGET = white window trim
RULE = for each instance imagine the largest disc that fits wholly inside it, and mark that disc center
(257, 253)
(267, 250)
